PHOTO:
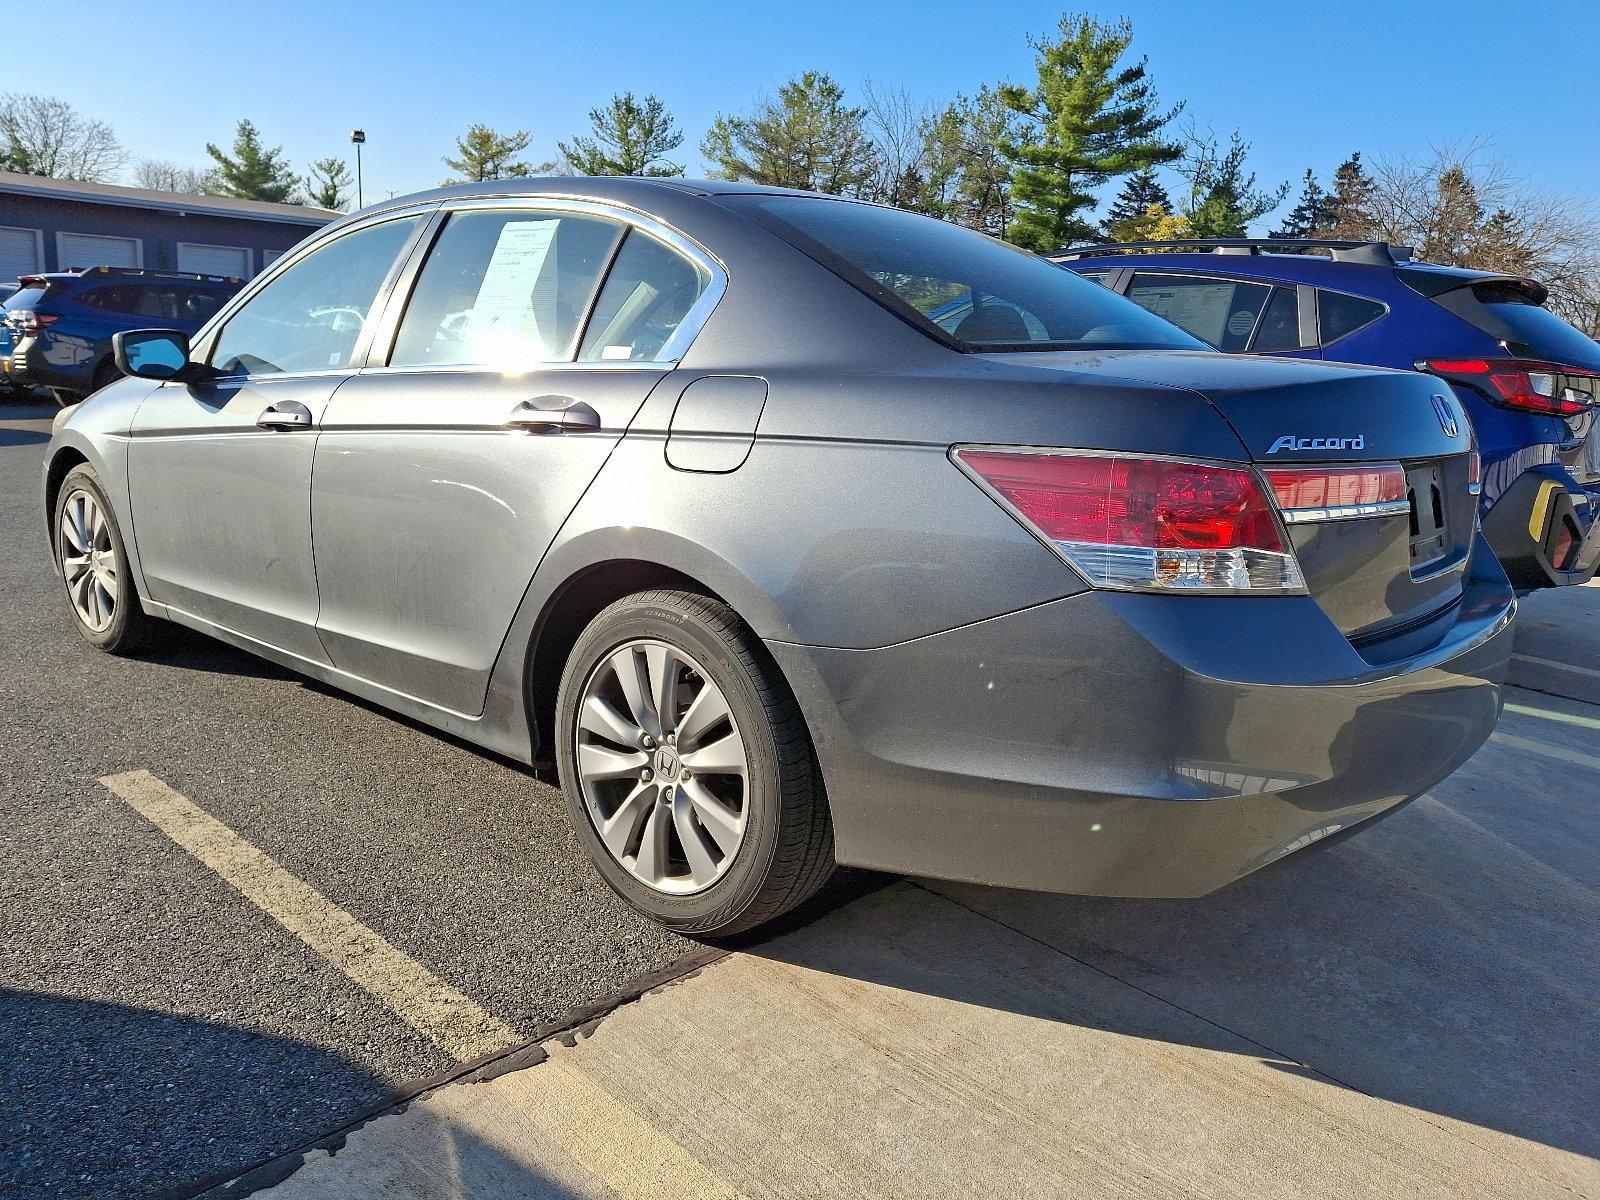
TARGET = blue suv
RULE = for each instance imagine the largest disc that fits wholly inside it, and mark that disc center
(1529, 381)
(57, 327)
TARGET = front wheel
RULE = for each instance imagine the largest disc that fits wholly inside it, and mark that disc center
(687, 768)
(93, 565)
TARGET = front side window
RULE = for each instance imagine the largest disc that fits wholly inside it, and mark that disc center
(648, 292)
(1221, 312)
(958, 285)
(504, 289)
(310, 317)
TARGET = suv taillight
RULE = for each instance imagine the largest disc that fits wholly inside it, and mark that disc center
(1144, 524)
(1524, 385)
(27, 322)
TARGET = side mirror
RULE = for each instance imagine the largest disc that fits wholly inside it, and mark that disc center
(155, 354)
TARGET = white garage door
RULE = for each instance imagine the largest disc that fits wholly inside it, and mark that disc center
(93, 250)
(19, 253)
(214, 260)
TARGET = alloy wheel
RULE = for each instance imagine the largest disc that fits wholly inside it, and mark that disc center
(662, 767)
(88, 560)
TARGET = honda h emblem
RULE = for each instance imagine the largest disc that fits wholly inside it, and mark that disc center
(1447, 417)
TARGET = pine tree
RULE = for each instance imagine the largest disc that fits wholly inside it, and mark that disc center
(1312, 213)
(631, 137)
(252, 172)
(1087, 121)
(1351, 212)
(486, 154)
(1139, 193)
(328, 185)
(806, 137)
(968, 178)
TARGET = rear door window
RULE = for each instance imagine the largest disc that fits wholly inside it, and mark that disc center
(504, 288)
(1339, 315)
(1221, 312)
(1280, 324)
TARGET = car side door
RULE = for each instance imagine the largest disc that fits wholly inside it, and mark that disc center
(511, 362)
(219, 472)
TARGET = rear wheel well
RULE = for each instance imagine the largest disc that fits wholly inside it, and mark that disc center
(64, 461)
(568, 613)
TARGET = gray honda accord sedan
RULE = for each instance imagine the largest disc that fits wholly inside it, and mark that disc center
(796, 531)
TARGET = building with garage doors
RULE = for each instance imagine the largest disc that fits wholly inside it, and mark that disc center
(61, 224)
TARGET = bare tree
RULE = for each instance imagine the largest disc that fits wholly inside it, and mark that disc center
(899, 127)
(1462, 206)
(41, 135)
(164, 175)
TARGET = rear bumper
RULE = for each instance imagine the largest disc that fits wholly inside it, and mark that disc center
(1136, 745)
(1542, 528)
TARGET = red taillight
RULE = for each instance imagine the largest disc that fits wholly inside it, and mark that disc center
(1361, 487)
(1515, 383)
(1136, 522)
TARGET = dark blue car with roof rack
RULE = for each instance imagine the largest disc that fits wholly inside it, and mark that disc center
(57, 327)
(1529, 381)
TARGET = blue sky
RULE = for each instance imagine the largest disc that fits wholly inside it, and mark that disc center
(1305, 82)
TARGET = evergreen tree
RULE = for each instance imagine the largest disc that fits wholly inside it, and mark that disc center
(631, 137)
(1223, 200)
(1312, 213)
(1351, 209)
(806, 137)
(251, 172)
(1087, 121)
(968, 178)
(1139, 193)
(328, 185)
(486, 154)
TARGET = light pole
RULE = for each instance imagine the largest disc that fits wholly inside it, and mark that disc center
(359, 138)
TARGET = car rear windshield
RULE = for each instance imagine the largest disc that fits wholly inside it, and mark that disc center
(967, 290)
(1544, 334)
(25, 297)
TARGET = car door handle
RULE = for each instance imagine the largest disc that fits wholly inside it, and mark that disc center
(286, 414)
(553, 414)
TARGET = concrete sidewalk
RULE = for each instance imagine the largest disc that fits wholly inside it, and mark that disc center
(1414, 1012)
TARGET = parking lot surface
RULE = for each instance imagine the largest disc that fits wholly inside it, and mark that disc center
(238, 911)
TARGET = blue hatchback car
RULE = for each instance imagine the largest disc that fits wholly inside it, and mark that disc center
(56, 328)
(1529, 381)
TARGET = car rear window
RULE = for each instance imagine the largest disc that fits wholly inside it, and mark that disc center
(1542, 333)
(25, 297)
(958, 286)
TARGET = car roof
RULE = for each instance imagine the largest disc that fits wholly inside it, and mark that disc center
(626, 189)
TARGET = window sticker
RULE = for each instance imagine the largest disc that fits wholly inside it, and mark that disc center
(516, 302)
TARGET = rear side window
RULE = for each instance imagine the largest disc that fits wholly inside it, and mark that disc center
(930, 272)
(1542, 333)
(1339, 315)
(1280, 324)
(504, 289)
(647, 293)
(1220, 312)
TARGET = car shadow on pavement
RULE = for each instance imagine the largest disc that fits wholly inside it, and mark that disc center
(99, 1097)
(22, 437)
(1446, 959)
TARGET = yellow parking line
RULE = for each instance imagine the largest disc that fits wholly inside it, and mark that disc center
(1556, 752)
(1550, 714)
(414, 993)
(1559, 666)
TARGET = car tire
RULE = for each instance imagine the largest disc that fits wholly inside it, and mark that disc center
(784, 851)
(64, 398)
(84, 517)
